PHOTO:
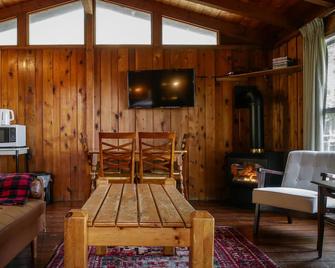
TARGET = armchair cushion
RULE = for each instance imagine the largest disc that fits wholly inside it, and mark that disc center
(289, 198)
(304, 166)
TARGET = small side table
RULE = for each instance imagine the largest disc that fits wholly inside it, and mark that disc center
(16, 152)
(326, 188)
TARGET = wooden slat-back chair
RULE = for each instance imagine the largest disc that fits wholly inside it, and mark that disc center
(117, 157)
(156, 156)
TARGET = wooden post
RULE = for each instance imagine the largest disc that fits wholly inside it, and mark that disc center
(170, 181)
(100, 250)
(202, 240)
(75, 239)
(169, 251)
(33, 247)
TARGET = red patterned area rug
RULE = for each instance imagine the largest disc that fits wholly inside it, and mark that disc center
(232, 250)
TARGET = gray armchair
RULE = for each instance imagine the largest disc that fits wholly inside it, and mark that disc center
(296, 192)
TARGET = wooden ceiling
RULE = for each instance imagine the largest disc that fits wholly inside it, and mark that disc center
(237, 20)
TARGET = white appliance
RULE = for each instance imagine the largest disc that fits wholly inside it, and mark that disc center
(12, 136)
(6, 116)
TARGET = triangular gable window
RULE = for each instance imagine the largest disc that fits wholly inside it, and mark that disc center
(63, 25)
(8, 32)
(118, 25)
(179, 33)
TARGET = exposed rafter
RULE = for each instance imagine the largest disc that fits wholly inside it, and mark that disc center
(322, 3)
(250, 10)
(88, 6)
(29, 6)
(227, 28)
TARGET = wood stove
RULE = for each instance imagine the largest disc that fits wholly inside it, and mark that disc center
(241, 166)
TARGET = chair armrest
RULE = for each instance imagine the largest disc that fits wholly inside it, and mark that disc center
(326, 176)
(261, 175)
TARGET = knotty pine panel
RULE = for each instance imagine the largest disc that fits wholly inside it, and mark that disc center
(198, 122)
(287, 105)
(46, 90)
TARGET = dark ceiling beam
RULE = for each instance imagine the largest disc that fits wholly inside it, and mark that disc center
(88, 6)
(322, 3)
(29, 6)
(250, 10)
(244, 34)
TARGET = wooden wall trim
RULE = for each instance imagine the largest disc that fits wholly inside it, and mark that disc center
(30, 6)
(22, 30)
(249, 10)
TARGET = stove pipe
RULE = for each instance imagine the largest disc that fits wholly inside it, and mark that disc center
(250, 97)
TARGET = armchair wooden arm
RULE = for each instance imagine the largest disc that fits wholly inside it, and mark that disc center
(261, 175)
(325, 176)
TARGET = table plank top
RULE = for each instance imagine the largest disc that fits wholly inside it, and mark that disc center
(127, 215)
(93, 204)
(147, 208)
(110, 207)
(138, 205)
(330, 184)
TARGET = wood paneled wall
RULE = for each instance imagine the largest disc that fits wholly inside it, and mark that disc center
(287, 98)
(112, 114)
(47, 90)
(283, 102)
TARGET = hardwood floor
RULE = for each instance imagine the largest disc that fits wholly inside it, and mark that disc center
(289, 245)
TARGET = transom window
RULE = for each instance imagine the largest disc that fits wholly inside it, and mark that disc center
(118, 25)
(179, 33)
(8, 32)
(329, 111)
(63, 25)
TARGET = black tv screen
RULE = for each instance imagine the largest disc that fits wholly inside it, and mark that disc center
(161, 88)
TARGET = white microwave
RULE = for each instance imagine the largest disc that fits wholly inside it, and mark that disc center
(12, 135)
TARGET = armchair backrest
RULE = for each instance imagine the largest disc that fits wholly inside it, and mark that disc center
(304, 166)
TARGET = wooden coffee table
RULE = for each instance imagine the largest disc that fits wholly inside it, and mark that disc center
(138, 215)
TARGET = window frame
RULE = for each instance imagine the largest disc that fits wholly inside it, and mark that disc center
(218, 41)
(329, 41)
(123, 45)
(53, 45)
(17, 31)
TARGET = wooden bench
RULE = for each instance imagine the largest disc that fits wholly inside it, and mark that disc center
(138, 215)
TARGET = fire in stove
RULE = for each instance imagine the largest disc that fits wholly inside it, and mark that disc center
(245, 173)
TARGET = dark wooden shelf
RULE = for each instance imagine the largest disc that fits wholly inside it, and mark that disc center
(236, 77)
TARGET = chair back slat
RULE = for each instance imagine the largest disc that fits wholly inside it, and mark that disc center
(156, 154)
(117, 155)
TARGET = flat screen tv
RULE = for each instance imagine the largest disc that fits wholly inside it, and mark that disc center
(161, 88)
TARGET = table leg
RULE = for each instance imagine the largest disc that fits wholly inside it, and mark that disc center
(100, 250)
(75, 239)
(169, 251)
(17, 161)
(94, 168)
(202, 240)
(180, 171)
(27, 156)
(321, 219)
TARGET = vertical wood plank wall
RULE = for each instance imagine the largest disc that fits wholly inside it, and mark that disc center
(287, 105)
(283, 101)
(47, 90)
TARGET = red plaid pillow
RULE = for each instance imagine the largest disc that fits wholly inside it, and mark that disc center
(14, 188)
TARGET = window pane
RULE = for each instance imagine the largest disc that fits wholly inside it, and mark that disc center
(62, 25)
(330, 97)
(178, 33)
(329, 132)
(117, 25)
(8, 32)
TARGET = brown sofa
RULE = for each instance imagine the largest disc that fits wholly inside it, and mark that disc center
(19, 226)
